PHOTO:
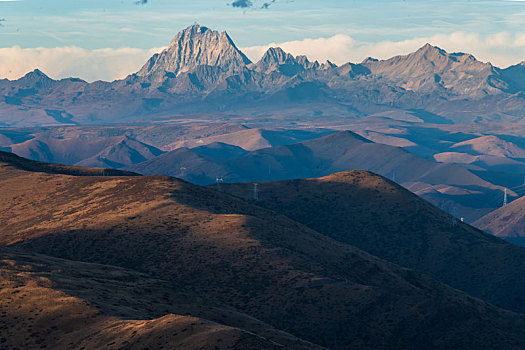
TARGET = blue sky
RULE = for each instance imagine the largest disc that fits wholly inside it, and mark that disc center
(493, 29)
(121, 23)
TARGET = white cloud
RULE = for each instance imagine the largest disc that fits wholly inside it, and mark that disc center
(502, 49)
(63, 62)
(337, 48)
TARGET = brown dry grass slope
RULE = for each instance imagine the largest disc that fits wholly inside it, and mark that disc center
(507, 222)
(247, 257)
(382, 218)
(36, 312)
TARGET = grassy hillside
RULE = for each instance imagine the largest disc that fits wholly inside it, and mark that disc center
(58, 304)
(506, 222)
(248, 258)
(382, 218)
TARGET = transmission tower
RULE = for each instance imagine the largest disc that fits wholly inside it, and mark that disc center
(256, 192)
(505, 199)
(219, 181)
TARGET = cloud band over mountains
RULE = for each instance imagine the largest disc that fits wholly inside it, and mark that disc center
(502, 49)
(63, 62)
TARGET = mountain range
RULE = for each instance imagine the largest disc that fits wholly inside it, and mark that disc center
(211, 202)
(444, 184)
(202, 72)
(459, 168)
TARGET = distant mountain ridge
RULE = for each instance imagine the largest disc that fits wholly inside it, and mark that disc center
(202, 71)
(436, 182)
(431, 68)
(111, 152)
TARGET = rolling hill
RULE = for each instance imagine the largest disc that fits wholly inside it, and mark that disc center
(446, 185)
(35, 166)
(246, 257)
(113, 152)
(159, 136)
(507, 222)
(491, 146)
(376, 215)
(254, 139)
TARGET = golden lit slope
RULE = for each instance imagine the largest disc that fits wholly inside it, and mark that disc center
(35, 313)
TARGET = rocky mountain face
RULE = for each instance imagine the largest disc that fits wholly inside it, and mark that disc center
(202, 71)
(431, 69)
(276, 60)
(194, 47)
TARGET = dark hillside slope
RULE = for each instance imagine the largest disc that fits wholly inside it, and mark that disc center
(382, 218)
(12, 160)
